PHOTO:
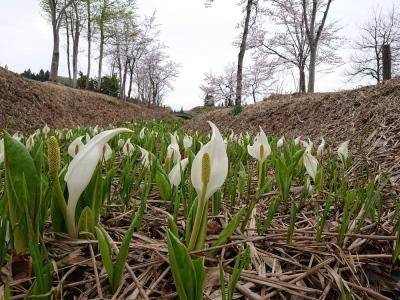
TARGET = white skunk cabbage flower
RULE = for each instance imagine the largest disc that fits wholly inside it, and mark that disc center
(121, 143)
(308, 145)
(141, 133)
(311, 164)
(87, 138)
(232, 136)
(69, 134)
(46, 130)
(76, 146)
(210, 166)
(173, 152)
(260, 150)
(1, 150)
(240, 139)
(17, 136)
(297, 140)
(309, 186)
(30, 142)
(128, 148)
(321, 148)
(95, 130)
(343, 151)
(280, 142)
(81, 169)
(187, 142)
(107, 152)
(174, 175)
(145, 157)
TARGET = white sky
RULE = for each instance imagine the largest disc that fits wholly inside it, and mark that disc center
(199, 38)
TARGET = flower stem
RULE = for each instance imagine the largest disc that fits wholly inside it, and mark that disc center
(198, 220)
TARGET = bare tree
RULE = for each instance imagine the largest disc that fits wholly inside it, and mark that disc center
(55, 10)
(108, 11)
(314, 30)
(259, 77)
(89, 39)
(288, 43)
(250, 5)
(223, 86)
(381, 28)
(75, 16)
(154, 74)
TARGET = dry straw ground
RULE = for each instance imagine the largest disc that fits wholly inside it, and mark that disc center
(27, 105)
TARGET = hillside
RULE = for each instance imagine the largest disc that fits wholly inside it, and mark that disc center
(369, 117)
(27, 105)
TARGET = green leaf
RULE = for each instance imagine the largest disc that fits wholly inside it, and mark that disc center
(188, 274)
(86, 224)
(105, 251)
(163, 185)
(229, 229)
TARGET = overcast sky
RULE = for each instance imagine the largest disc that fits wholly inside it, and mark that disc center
(199, 38)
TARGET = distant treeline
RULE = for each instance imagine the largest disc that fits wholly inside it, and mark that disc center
(41, 76)
(109, 84)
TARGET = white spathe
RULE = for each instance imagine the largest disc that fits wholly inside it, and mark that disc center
(1, 150)
(187, 142)
(260, 149)
(46, 130)
(311, 164)
(107, 152)
(145, 157)
(173, 152)
(75, 146)
(215, 149)
(343, 151)
(280, 142)
(30, 142)
(141, 133)
(128, 148)
(174, 175)
(81, 169)
(321, 148)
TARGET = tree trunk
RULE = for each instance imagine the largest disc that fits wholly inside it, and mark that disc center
(68, 52)
(302, 80)
(123, 81)
(89, 41)
(239, 75)
(311, 69)
(131, 66)
(75, 48)
(101, 56)
(55, 56)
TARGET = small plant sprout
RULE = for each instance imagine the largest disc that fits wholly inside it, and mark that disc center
(75, 146)
(80, 172)
(208, 174)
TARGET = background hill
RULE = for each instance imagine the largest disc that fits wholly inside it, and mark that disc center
(369, 117)
(27, 105)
